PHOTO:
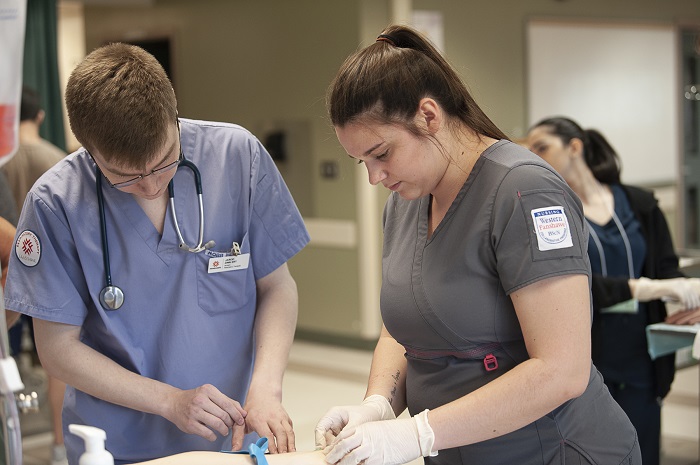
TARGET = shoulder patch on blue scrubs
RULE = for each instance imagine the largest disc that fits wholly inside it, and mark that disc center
(552, 228)
(28, 248)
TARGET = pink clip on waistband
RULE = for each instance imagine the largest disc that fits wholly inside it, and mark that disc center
(490, 362)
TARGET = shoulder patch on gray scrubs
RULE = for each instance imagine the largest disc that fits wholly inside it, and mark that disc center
(552, 228)
(554, 232)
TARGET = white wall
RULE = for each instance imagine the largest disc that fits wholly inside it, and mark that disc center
(619, 78)
(71, 51)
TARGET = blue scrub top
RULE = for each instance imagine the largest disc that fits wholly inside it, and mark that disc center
(622, 355)
(178, 324)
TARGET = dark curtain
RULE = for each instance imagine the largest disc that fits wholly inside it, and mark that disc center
(41, 66)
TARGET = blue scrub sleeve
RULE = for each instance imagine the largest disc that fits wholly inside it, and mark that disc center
(56, 279)
(276, 219)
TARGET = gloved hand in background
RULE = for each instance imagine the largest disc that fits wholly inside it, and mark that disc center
(373, 408)
(684, 317)
(390, 442)
(686, 291)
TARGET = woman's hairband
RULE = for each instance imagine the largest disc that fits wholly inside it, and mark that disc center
(386, 38)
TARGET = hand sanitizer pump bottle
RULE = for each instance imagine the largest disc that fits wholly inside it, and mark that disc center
(95, 453)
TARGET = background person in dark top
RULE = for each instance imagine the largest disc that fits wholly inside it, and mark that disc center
(634, 267)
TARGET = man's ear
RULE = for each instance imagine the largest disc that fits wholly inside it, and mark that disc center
(41, 114)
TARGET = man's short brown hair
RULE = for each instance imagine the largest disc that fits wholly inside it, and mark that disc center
(120, 102)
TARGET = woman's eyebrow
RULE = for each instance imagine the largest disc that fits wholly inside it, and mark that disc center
(372, 149)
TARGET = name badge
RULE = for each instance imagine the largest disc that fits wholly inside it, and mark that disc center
(229, 263)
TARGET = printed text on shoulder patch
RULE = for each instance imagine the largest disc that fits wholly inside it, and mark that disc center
(552, 228)
(28, 248)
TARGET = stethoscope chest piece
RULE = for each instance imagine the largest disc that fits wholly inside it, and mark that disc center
(111, 297)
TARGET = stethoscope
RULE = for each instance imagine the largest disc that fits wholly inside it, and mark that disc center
(111, 296)
(623, 234)
(601, 252)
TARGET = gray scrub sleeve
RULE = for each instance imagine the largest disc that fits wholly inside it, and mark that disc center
(536, 211)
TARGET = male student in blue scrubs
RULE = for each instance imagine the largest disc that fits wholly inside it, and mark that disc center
(198, 348)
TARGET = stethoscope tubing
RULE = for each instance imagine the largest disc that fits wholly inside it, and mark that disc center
(171, 193)
(623, 234)
(601, 252)
(103, 228)
(112, 297)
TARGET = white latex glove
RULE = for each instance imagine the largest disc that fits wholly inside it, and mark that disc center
(373, 408)
(694, 284)
(391, 442)
(678, 289)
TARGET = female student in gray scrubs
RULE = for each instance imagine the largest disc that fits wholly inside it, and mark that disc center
(485, 288)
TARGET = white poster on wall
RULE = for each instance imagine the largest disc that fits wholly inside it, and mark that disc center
(618, 78)
(430, 23)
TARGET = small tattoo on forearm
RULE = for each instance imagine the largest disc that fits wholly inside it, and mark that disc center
(394, 388)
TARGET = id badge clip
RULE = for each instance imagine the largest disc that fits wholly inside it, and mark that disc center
(232, 261)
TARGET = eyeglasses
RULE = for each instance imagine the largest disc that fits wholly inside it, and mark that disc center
(138, 178)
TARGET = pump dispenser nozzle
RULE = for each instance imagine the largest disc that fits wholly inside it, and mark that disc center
(95, 453)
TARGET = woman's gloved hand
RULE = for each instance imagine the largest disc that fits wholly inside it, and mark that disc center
(684, 290)
(391, 442)
(373, 408)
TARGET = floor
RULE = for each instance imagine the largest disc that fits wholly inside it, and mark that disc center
(321, 376)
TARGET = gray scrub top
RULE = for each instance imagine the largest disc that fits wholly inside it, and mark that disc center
(179, 324)
(446, 300)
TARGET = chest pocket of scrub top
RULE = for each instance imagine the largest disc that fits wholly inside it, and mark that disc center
(227, 291)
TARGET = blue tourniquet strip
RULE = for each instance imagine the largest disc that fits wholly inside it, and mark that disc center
(256, 450)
